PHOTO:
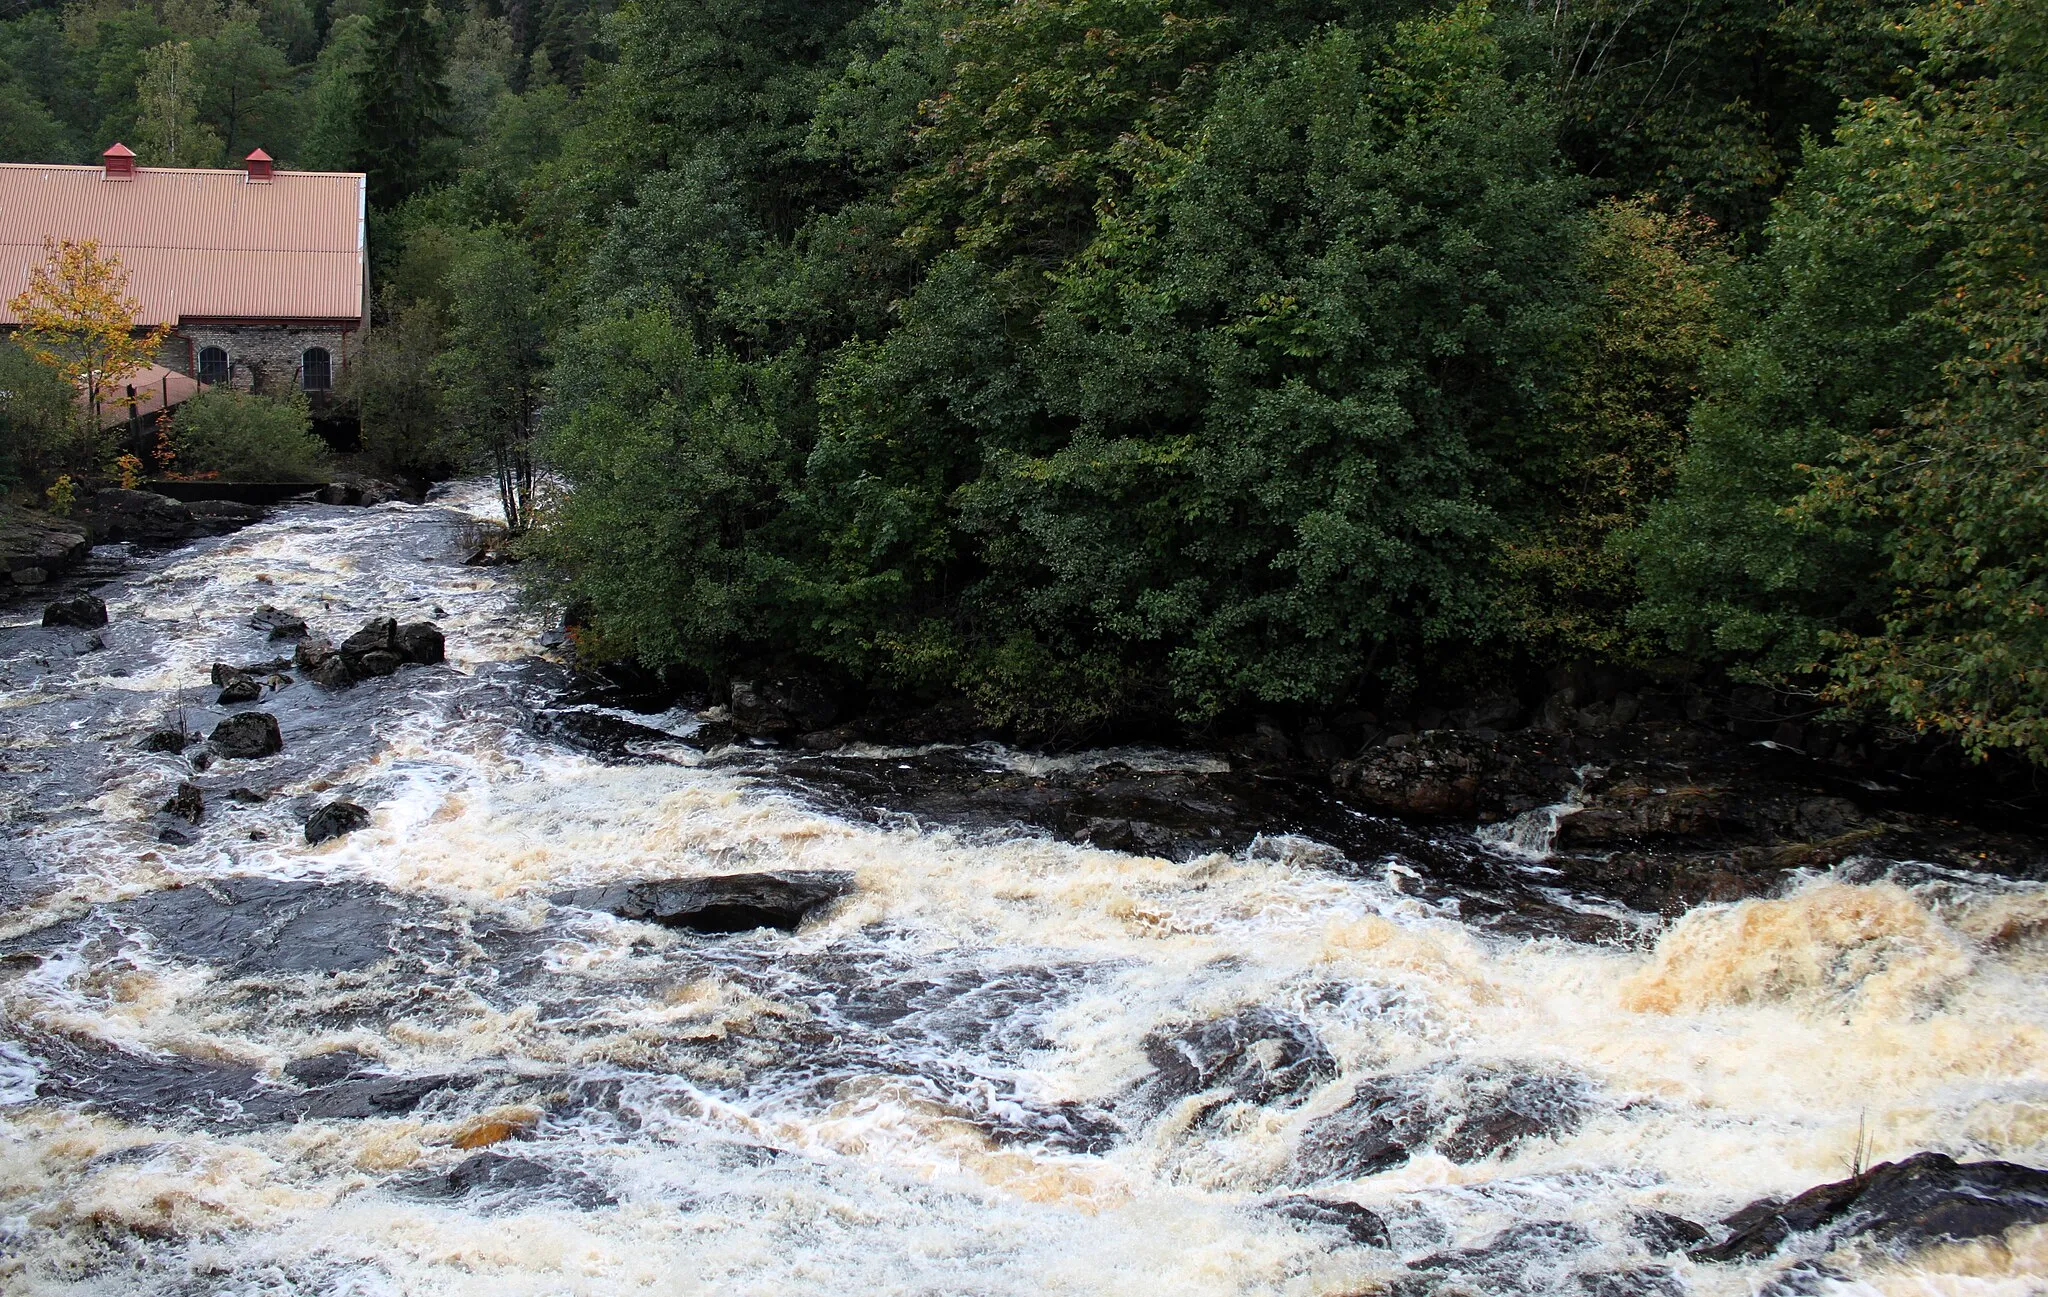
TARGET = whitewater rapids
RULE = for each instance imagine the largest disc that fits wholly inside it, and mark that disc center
(928, 1088)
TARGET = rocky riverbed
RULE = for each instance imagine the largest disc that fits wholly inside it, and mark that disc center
(352, 944)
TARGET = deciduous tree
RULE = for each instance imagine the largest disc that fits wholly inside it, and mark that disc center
(77, 319)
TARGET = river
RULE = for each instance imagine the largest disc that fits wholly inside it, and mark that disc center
(390, 1063)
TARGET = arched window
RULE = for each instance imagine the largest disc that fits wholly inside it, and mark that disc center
(213, 365)
(315, 374)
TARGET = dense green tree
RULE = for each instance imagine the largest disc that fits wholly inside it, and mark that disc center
(1628, 378)
(332, 108)
(1300, 367)
(397, 394)
(249, 437)
(1830, 338)
(1708, 101)
(492, 370)
(248, 91)
(402, 112)
(1959, 487)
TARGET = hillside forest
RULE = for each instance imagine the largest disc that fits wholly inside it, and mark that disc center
(1122, 362)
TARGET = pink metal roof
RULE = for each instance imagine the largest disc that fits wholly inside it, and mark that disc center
(196, 243)
(156, 388)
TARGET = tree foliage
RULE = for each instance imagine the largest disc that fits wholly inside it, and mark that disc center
(1099, 358)
(239, 435)
(78, 322)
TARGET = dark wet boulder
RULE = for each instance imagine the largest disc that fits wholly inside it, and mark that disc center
(519, 1178)
(605, 735)
(85, 611)
(280, 624)
(188, 804)
(376, 663)
(170, 1090)
(312, 652)
(165, 740)
(241, 689)
(720, 904)
(1636, 809)
(247, 735)
(1927, 1198)
(1255, 1056)
(218, 517)
(358, 1097)
(1450, 774)
(332, 673)
(1660, 1232)
(378, 635)
(1362, 1225)
(421, 642)
(831, 740)
(1637, 1281)
(335, 820)
(1466, 1112)
(166, 1088)
(1132, 837)
(781, 707)
(355, 489)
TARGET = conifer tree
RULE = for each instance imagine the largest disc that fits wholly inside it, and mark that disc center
(402, 133)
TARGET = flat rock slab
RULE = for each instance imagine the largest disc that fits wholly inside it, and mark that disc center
(720, 904)
(266, 925)
(172, 1090)
(35, 546)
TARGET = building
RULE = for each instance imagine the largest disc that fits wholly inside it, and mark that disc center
(262, 274)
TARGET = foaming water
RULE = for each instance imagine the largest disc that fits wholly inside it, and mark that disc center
(962, 1078)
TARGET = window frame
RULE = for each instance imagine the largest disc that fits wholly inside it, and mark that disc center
(227, 364)
(326, 369)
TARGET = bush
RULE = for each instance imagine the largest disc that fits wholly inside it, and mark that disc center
(36, 420)
(250, 438)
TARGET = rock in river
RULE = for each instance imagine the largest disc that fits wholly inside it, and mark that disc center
(421, 642)
(34, 546)
(188, 804)
(240, 689)
(1466, 1112)
(85, 610)
(248, 735)
(378, 635)
(1926, 1198)
(334, 820)
(280, 624)
(1257, 1055)
(725, 903)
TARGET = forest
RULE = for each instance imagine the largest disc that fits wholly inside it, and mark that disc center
(1108, 362)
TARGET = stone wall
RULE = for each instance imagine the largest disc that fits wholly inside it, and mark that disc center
(262, 357)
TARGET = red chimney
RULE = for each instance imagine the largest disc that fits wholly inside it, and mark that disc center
(259, 166)
(120, 162)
